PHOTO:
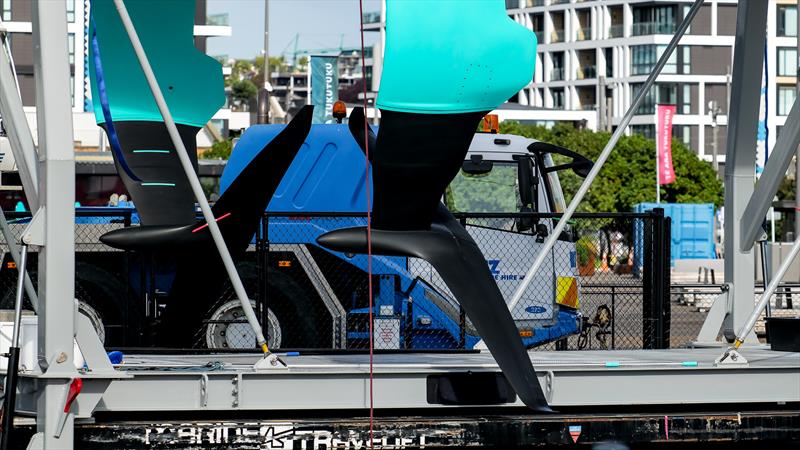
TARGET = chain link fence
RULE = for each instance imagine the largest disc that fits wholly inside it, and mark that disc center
(595, 290)
(102, 286)
(601, 287)
(692, 301)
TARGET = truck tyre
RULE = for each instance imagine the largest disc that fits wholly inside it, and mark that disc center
(302, 319)
(100, 292)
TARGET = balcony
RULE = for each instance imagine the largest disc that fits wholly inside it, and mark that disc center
(589, 107)
(647, 28)
(586, 72)
(616, 31)
(218, 20)
(216, 25)
(372, 17)
(558, 2)
(584, 33)
(557, 74)
(532, 3)
(557, 36)
(539, 36)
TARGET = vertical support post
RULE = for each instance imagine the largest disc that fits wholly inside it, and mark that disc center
(57, 198)
(665, 308)
(263, 94)
(648, 227)
(748, 59)
(659, 267)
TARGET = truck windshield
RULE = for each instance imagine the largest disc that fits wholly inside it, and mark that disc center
(555, 184)
(492, 192)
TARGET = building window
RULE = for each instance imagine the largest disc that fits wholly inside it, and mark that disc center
(684, 12)
(787, 62)
(558, 98)
(685, 59)
(71, 46)
(70, 11)
(685, 101)
(654, 20)
(644, 58)
(660, 94)
(648, 131)
(787, 20)
(786, 96)
(6, 10)
(557, 73)
(686, 135)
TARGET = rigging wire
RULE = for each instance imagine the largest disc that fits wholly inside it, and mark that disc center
(367, 184)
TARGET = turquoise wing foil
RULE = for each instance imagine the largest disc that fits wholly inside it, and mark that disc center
(190, 80)
(453, 56)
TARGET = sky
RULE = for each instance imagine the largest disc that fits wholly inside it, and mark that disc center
(320, 23)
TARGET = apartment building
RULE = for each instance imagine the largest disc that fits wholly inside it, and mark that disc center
(16, 17)
(596, 55)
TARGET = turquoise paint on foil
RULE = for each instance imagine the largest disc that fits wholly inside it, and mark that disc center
(453, 56)
(190, 80)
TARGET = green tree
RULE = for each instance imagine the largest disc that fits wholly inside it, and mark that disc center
(628, 177)
(302, 64)
(218, 150)
(242, 91)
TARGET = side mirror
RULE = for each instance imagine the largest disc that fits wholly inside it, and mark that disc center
(580, 164)
(476, 165)
(525, 178)
(527, 192)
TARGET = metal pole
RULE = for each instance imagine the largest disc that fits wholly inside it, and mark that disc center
(765, 269)
(263, 94)
(9, 402)
(658, 167)
(56, 241)
(23, 260)
(194, 182)
(714, 107)
(559, 228)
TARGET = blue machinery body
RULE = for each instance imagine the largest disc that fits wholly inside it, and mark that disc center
(328, 176)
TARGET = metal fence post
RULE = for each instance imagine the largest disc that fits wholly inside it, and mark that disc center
(665, 311)
(659, 312)
(648, 229)
(613, 316)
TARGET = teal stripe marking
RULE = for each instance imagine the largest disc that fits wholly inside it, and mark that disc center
(612, 364)
(151, 151)
(689, 364)
(159, 184)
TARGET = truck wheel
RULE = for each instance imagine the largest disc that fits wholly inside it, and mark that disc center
(301, 320)
(228, 328)
(97, 292)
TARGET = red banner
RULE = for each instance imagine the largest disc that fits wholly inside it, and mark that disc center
(666, 173)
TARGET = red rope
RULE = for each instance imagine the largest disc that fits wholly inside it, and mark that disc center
(369, 232)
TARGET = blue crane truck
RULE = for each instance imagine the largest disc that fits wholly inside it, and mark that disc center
(316, 298)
